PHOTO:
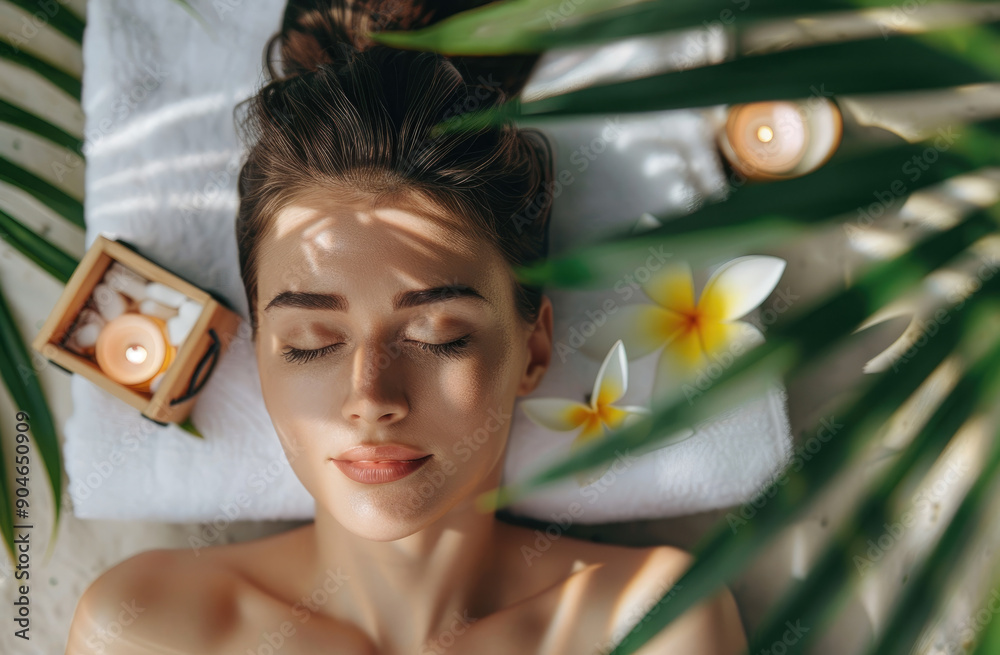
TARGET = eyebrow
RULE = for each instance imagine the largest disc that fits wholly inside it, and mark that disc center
(405, 299)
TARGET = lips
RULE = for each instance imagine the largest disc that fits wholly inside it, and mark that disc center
(379, 453)
(379, 464)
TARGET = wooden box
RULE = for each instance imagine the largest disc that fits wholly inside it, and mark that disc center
(194, 360)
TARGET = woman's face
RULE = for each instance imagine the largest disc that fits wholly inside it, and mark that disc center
(354, 350)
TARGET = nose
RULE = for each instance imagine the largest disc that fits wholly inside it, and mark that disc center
(376, 392)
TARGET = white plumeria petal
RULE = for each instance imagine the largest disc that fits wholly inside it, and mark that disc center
(746, 335)
(556, 413)
(642, 329)
(740, 285)
(635, 409)
(592, 429)
(612, 378)
(672, 287)
(682, 361)
(679, 362)
(623, 416)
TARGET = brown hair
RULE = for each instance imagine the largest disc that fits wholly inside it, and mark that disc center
(345, 116)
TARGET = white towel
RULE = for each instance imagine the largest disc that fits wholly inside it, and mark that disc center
(158, 94)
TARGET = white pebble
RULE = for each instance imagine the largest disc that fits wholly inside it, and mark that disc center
(89, 316)
(73, 345)
(83, 338)
(110, 303)
(153, 308)
(190, 309)
(179, 327)
(86, 336)
(164, 295)
(127, 281)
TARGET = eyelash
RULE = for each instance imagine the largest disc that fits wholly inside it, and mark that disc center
(450, 349)
(296, 356)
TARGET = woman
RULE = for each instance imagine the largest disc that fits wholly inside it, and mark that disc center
(376, 256)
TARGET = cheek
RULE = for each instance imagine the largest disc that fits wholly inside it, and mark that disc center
(291, 401)
(476, 401)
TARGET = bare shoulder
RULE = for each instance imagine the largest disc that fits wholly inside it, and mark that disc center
(647, 575)
(606, 590)
(153, 601)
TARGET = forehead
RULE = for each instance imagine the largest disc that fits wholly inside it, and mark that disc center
(352, 246)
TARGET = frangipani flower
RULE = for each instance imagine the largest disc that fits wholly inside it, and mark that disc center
(597, 417)
(693, 334)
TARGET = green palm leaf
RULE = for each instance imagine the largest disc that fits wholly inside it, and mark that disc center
(13, 115)
(927, 590)
(17, 366)
(55, 15)
(858, 184)
(902, 63)
(827, 583)
(48, 194)
(22, 382)
(52, 260)
(536, 25)
(988, 642)
(728, 549)
(62, 80)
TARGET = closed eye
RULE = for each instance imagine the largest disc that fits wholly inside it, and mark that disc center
(297, 356)
(449, 349)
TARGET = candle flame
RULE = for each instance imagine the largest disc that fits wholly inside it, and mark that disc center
(135, 354)
(765, 133)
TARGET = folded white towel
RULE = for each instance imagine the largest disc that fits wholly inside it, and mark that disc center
(162, 161)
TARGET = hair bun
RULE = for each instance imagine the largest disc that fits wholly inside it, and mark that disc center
(318, 32)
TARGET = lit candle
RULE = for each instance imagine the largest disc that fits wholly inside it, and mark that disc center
(779, 139)
(133, 348)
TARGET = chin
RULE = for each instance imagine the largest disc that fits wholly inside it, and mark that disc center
(376, 523)
(388, 512)
(379, 530)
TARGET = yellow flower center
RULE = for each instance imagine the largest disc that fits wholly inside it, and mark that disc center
(694, 333)
(692, 320)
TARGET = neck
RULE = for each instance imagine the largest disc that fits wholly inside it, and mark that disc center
(409, 593)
